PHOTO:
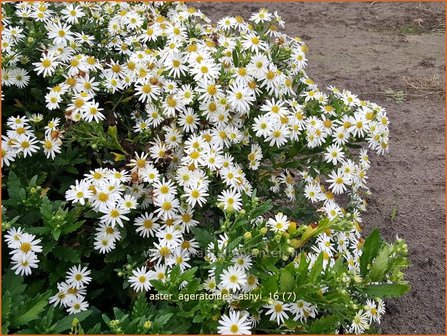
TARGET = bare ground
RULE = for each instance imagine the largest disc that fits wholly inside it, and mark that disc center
(392, 54)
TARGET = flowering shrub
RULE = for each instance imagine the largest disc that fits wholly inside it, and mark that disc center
(164, 174)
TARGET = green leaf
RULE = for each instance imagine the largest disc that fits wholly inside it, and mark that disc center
(301, 272)
(380, 264)
(33, 181)
(175, 272)
(140, 306)
(188, 275)
(316, 269)
(270, 286)
(72, 227)
(233, 243)
(56, 234)
(203, 237)
(293, 151)
(112, 131)
(189, 312)
(13, 283)
(67, 254)
(162, 320)
(158, 285)
(387, 290)
(95, 330)
(46, 209)
(15, 190)
(287, 282)
(48, 246)
(132, 326)
(291, 324)
(324, 325)
(106, 319)
(119, 314)
(315, 231)
(66, 322)
(261, 209)
(192, 286)
(6, 305)
(219, 267)
(71, 169)
(40, 230)
(31, 310)
(338, 267)
(369, 251)
(292, 164)
(269, 264)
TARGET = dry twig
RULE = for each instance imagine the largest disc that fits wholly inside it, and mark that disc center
(426, 86)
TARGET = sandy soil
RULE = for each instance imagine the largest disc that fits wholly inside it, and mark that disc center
(370, 48)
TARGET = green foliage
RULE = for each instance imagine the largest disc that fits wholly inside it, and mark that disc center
(370, 249)
(32, 313)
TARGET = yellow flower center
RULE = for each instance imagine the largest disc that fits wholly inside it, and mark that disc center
(103, 197)
(166, 206)
(25, 247)
(148, 224)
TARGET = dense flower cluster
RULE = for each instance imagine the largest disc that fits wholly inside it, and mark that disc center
(24, 249)
(103, 188)
(219, 88)
(71, 292)
(195, 117)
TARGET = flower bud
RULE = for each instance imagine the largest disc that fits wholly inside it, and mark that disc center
(118, 157)
(114, 323)
(292, 227)
(24, 60)
(6, 225)
(255, 252)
